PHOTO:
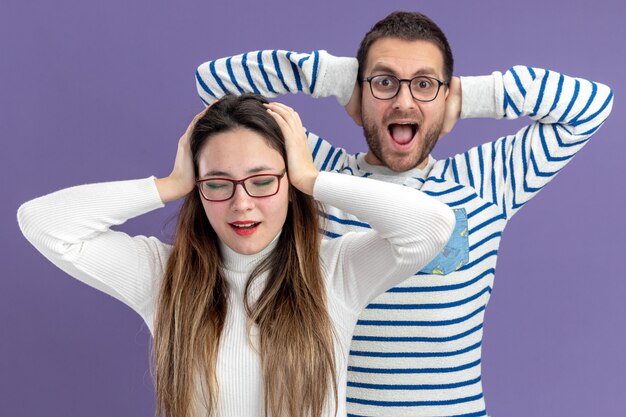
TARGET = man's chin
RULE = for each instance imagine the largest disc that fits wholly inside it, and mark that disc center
(396, 163)
(417, 157)
(402, 164)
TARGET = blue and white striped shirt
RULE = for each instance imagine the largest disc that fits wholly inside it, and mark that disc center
(416, 349)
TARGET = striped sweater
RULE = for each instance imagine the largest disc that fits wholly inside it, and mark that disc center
(416, 350)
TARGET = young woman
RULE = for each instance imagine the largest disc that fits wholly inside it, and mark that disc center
(251, 313)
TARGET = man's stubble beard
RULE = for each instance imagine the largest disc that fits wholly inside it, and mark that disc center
(374, 138)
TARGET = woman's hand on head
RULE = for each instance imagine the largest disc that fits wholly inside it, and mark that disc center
(182, 179)
(302, 172)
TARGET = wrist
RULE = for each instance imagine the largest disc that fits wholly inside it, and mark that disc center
(311, 182)
(480, 96)
(168, 189)
(336, 77)
(305, 183)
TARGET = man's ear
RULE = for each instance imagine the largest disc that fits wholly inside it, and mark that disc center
(354, 105)
(453, 106)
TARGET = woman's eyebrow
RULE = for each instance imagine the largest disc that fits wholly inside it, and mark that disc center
(251, 171)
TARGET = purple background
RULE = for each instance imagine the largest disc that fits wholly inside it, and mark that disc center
(94, 91)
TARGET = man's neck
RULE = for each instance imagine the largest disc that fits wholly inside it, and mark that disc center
(380, 170)
(373, 160)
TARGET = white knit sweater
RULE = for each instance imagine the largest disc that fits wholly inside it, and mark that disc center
(71, 228)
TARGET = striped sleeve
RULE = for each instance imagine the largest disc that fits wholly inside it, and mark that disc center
(566, 112)
(275, 72)
(327, 157)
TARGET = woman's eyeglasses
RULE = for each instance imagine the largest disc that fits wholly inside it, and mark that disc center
(257, 186)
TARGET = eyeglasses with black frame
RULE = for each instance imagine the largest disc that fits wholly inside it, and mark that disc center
(257, 186)
(423, 88)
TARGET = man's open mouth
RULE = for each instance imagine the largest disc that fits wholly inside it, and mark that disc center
(402, 133)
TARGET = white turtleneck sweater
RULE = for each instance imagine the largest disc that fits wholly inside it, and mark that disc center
(72, 228)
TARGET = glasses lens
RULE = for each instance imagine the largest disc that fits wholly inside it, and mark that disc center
(262, 185)
(217, 189)
(424, 88)
(384, 86)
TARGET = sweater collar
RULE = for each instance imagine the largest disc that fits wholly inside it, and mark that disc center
(237, 262)
(383, 173)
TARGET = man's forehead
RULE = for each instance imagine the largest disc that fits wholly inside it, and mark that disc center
(399, 55)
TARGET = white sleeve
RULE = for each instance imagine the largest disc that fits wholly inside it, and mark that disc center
(408, 229)
(71, 228)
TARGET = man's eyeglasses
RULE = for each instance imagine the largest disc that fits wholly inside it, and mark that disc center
(222, 189)
(386, 87)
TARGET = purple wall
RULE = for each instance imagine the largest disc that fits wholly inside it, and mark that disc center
(95, 91)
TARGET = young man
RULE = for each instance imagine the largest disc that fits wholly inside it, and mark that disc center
(416, 350)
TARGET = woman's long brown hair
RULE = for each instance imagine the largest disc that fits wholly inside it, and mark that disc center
(295, 330)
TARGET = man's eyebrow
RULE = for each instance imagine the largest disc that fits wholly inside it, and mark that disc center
(383, 68)
(254, 170)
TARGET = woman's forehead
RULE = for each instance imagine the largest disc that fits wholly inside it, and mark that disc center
(238, 152)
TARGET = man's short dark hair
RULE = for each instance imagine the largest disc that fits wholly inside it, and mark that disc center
(408, 26)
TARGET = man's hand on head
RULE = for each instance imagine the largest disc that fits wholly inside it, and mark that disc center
(453, 106)
(354, 105)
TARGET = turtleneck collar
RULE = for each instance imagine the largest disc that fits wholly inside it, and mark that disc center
(236, 262)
